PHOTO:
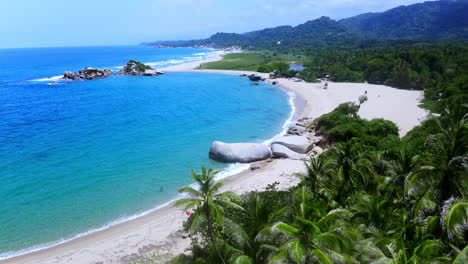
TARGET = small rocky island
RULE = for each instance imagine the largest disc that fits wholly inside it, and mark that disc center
(133, 67)
(139, 69)
(87, 74)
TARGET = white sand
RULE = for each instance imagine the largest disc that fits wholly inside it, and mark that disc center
(156, 232)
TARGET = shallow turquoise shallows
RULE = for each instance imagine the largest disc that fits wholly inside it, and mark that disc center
(76, 156)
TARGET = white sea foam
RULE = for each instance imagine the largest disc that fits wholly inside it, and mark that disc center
(289, 121)
(50, 79)
(174, 62)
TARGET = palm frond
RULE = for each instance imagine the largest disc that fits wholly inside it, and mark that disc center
(297, 252)
(321, 256)
(462, 257)
(330, 240)
(228, 195)
(455, 220)
(195, 221)
(184, 201)
(215, 187)
(241, 259)
(229, 204)
(280, 257)
(236, 233)
(191, 191)
(277, 228)
(332, 216)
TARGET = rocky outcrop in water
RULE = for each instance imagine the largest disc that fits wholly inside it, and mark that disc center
(239, 152)
(254, 78)
(137, 68)
(87, 74)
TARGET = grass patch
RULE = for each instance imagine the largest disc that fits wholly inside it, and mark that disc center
(248, 61)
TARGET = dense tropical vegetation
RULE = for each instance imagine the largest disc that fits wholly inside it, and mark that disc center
(371, 198)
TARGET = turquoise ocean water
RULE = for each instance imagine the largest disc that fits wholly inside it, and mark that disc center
(78, 156)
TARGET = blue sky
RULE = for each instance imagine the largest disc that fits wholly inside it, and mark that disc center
(51, 23)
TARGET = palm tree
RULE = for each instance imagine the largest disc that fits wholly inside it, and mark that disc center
(444, 174)
(372, 210)
(317, 176)
(402, 166)
(311, 238)
(208, 204)
(258, 213)
(352, 169)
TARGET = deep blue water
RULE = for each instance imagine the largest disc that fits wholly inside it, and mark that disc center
(76, 156)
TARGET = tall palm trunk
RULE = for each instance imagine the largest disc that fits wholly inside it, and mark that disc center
(211, 232)
(446, 187)
(342, 187)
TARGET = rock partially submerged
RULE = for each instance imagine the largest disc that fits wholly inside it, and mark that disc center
(299, 144)
(255, 78)
(239, 152)
(281, 151)
(137, 68)
(87, 74)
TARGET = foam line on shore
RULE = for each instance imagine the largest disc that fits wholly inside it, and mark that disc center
(292, 97)
(165, 63)
(12, 254)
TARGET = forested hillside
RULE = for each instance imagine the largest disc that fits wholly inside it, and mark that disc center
(434, 20)
(319, 32)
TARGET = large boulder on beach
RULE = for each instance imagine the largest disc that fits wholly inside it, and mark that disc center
(281, 151)
(239, 152)
(299, 144)
(296, 130)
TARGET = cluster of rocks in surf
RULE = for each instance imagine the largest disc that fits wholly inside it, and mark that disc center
(87, 74)
(299, 143)
(132, 68)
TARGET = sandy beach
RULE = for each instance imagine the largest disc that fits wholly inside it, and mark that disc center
(157, 231)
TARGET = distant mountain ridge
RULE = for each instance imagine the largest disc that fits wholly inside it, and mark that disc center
(319, 31)
(434, 20)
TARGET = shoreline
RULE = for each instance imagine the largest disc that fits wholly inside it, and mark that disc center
(157, 228)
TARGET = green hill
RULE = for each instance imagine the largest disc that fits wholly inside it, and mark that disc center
(436, 20)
